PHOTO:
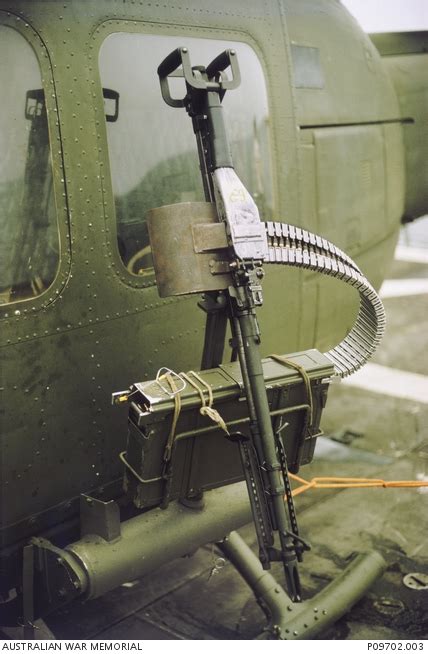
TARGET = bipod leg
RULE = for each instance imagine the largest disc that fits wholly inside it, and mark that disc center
(305, 620)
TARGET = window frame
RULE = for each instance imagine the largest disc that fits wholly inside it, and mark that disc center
(100, 34)
(28, 305)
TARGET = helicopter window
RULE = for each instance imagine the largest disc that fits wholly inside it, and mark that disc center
(152, 148)
(29, 242)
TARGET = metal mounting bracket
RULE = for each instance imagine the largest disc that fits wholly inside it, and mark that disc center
(99, 518)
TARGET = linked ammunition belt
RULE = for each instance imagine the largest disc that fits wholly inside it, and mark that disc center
(293, 246)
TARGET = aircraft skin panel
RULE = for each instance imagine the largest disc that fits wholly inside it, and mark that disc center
(100, 328)
(409, 73)
(400, 43)
(405, 58)
(66, 434)
(353, 85)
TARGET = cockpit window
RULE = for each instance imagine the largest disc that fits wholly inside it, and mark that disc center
(152, 148)
(29, 238)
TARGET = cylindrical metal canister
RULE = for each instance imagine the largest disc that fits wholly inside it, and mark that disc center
(189, 248)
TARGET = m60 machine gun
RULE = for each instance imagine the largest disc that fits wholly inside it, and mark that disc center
(267, 410)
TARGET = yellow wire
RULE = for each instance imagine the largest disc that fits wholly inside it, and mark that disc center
(351, 482)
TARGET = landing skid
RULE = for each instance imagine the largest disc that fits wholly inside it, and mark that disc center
(303, 620)
(91, 567)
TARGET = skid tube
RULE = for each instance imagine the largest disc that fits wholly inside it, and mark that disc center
(156, 537)
(302, 620)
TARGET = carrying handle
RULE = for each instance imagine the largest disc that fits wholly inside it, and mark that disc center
(173, 61)
(203, 80)
(219, 64)
(170, 68)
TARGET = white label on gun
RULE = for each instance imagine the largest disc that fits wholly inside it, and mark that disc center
(239, 211)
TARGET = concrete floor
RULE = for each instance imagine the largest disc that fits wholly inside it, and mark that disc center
(371, 434)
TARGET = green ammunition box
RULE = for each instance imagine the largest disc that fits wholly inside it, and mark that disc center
(203, 456)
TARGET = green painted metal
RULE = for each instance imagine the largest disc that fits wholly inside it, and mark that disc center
(213, 460)
(405, 58)
(292, 621)
(336, 599)
(337, 167)
(148, 540)
(400, 43)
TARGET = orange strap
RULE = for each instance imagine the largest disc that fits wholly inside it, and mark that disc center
(351, 482)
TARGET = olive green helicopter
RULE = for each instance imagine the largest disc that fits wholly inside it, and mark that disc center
(177, 184)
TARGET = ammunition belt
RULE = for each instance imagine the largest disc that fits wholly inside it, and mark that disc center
(293, 246)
